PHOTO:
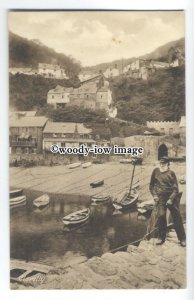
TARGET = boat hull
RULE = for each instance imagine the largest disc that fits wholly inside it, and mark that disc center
(97, 183)
(100, 199)
(75, 165)
(127, 202)
(86, 165)
(41, 201)
(21, 200)
(77, 218)
(15, 193)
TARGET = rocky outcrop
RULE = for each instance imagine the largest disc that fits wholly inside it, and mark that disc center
(144, 267)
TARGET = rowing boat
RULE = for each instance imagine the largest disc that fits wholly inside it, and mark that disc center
(125, 161)
(17, 201)
(126, 200)
(77, 217)
(145, 206)
(42, 201)
(75, 165)
(100, 198)
(86, 165)
(15, 193)
(96, 183)
(28, 273)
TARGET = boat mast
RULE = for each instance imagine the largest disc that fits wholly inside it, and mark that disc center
(134, 163)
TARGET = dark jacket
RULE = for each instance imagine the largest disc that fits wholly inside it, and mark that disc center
(164, 185)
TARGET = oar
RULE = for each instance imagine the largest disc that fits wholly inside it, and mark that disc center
(132, 177)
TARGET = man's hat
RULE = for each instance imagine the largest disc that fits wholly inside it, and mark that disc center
(164, 160)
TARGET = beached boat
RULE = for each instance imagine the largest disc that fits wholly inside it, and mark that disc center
(100, 198)
(41, 201)
(17, 201)
(145, 206)
(77, 217)
(96, 183)
(75, 165)
(86, 165)
(15, 193)
(126, 200)
(126, 161)
(28, 273)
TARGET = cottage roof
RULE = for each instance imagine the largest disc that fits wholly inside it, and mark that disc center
(68, 127)
(85, 89)
(28, 113)
(29, 122)
(60, 89)
(70, 140)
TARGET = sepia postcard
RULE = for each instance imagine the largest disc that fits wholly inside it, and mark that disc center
(97, 150)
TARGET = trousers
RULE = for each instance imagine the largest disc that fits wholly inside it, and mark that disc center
(176, 217)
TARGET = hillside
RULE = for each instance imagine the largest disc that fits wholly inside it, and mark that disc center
(120, 63)
(26, 53)
(161, 98)
(160, 53)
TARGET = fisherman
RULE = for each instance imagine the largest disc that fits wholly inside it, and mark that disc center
(164, 189)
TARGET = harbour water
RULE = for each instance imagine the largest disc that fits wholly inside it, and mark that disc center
(39, 235)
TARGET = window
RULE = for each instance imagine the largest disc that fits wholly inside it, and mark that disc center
(62, 96)
(162, 130)
(94, 155)
(53, 96)
(34, 150)
(62, 144)
(26, 150)
(18, 150)
(170, 130)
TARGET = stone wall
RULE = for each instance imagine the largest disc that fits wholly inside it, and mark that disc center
(152, 144)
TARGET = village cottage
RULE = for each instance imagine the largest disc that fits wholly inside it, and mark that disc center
(26, 135)
(139, 68)
(51, 71)
(66, 134)
(93, 94)
(111, 72)
(59, 96)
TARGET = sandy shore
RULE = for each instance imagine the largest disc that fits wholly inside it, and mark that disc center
(60, 179)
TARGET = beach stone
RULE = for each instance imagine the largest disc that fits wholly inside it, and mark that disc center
(102, 266)
(166, 266)
(150, 285)
(131, 248)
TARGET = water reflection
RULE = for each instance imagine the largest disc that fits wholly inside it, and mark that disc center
(40, 236)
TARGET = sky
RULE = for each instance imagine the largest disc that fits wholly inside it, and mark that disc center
(97, 37)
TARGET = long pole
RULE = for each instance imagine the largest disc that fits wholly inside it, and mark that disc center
(132, 176)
